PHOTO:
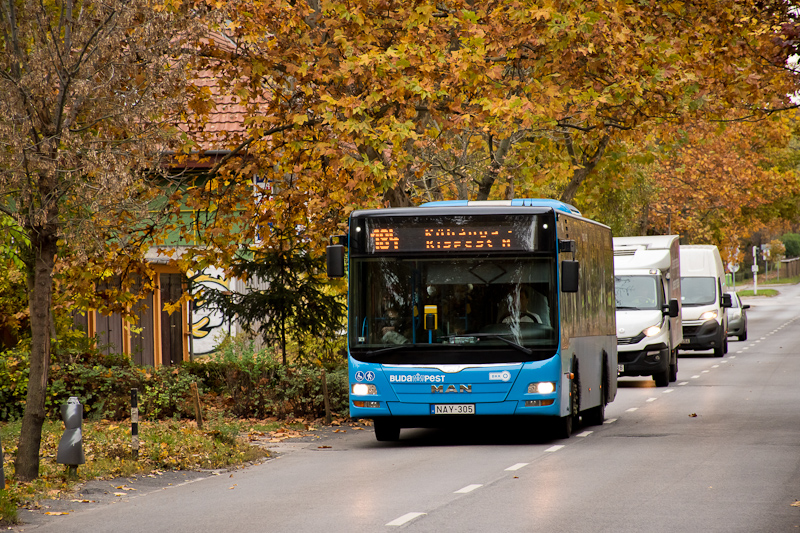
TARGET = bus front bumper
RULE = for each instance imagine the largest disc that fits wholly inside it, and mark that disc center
(538, 407)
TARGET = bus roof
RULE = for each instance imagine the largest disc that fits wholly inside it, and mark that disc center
(519, 202)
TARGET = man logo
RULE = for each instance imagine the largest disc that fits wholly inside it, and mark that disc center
(451, 388)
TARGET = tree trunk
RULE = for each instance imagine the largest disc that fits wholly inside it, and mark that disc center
(397, 195)
(583, 167)
(498, 159)
(44, 247)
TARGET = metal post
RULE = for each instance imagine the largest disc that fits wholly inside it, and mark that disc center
(135, 424)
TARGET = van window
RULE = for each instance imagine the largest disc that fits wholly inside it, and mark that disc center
(698, 291)
(637, 292)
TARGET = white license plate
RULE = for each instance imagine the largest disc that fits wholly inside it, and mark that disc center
(620, 368)
(686, 341)
(453, 409)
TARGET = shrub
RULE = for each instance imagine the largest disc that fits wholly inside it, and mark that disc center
(14, 369)
(258, 385)
(253, 382)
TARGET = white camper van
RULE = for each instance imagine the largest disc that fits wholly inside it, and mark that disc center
(704, 302)
(647, 285)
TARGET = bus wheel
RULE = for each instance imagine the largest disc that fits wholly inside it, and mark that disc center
(562, 428)
(386, 430)
(595, 416)
(563, 425)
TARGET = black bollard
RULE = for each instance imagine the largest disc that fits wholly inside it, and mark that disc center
(135, 424)
(70, 448)
(2, 474)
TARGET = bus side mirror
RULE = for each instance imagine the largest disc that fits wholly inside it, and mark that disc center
(569, 275)
(335, 257)
(726, 301)
(671, 309)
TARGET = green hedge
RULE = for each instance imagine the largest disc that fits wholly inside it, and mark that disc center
(251, 383)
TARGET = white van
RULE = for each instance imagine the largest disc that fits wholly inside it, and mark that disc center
(704, 300)
(647, 286)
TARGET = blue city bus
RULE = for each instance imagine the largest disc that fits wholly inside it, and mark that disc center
(464, 309)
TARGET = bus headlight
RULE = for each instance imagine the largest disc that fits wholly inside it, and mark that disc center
(544, 387)
(652, 331)
(708, 315)
(364, 389)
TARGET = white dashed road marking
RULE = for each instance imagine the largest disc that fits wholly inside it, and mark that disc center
(408, 517)
(468, 488)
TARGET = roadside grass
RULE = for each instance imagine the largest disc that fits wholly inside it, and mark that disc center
(223, 442)
(761, 292)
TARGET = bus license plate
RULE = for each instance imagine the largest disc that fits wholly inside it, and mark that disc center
(686, 341)
(453, 409)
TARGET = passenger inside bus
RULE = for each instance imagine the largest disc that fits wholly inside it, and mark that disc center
(524, 304)
(390, 332)
(458, 310)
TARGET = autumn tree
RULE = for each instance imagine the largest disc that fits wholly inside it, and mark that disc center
(87, 87)
(716, 183)
(388, 102)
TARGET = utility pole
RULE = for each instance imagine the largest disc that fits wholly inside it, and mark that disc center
(755, 270)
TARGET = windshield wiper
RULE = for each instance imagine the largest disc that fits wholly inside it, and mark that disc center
(627, 307)
(393, 348)
(499, 337)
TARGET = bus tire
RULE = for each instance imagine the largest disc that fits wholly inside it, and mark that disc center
(563, 425)
(386, 430)
(595, 416)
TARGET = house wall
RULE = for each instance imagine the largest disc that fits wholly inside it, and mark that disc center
(160, 338)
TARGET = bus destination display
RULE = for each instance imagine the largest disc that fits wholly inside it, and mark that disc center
(443, 238)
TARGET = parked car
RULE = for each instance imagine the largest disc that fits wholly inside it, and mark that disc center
(737, 318)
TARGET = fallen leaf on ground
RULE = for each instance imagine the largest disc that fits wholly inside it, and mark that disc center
(56, 513)
(693, 415)
(796, 504)
(323, 446)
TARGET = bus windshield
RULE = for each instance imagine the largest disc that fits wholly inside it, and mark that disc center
(636, 292)
(499, 305)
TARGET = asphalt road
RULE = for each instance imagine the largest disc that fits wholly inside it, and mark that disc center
(717, 451)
